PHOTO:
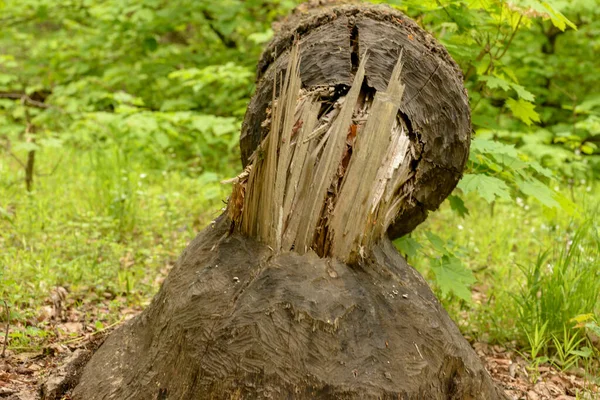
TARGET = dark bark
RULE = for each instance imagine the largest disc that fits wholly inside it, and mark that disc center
(66, 376)
(235, 321)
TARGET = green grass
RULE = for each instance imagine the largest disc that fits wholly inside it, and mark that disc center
(106, 226)
(537, 272)
(102, 225)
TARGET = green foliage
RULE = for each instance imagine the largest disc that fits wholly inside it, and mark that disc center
(151, 76)
(559, 288)
(530, 70)
(515, 294)
(537, 341)
(451, 276)
(568, 349)
(102, 225)
(487, 187)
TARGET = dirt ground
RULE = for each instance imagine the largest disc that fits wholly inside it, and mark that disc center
(22, 375)
(52, 367)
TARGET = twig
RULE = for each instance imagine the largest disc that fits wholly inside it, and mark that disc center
(29, 130)
(512, 36)
(7, 328)
(80, 338)
(227, 42)
(13, 155)
(25, 99)
(53, 169)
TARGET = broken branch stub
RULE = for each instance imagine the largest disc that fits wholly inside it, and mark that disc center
(367, 133)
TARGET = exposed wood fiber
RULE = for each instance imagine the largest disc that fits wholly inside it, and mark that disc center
(434, 108)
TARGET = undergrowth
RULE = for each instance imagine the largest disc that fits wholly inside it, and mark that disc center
(536, 277)
(101, 226)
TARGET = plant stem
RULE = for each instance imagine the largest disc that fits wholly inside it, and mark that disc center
(7, 328)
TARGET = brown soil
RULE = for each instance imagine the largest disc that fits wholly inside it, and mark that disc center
(22, 374)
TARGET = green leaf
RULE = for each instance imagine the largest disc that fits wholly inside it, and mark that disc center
(438, 244)
(261, 37)
(178, 105)
(498, 81)
(523, 110)
(493, 147)
(558, 19)
(488, 187)
(522, 92)
(5, 79)
(150, 44)
(494, 82)
(408, 246)
(51, 143)
(26, 146)
(452, 276)
(584, 352)
(536, 189)
(458, 205)
(6, 215)
(162, 140)
(588, 148)
(540, 170)
(593, 326)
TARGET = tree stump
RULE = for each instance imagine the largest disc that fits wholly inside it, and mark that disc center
(359, 126)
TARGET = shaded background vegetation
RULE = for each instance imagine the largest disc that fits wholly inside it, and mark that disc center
(118, 119)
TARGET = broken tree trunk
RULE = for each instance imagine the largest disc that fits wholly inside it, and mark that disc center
(359, 127)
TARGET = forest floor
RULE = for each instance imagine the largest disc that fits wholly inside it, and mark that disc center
(24, 375)
(50, 368)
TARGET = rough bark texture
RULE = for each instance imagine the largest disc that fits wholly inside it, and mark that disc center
(235, 321)
(434, 106)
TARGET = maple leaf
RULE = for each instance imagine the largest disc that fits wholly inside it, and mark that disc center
(486, 186)
(523, 110)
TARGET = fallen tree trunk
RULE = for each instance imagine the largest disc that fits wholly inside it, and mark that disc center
(297, 291)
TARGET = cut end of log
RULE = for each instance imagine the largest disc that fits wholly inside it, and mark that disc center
(334, 171)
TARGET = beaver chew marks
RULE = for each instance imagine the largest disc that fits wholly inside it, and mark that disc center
(332, 172)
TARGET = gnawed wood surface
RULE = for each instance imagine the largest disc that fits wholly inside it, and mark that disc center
(359, 196)
(434, 108)
(335, 184)
(235, 321)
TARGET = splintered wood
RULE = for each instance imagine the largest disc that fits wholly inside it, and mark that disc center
(331, 175)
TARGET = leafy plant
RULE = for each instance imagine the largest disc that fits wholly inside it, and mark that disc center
(568, 349)
(537, 344)
(557, 290)
(451, 276)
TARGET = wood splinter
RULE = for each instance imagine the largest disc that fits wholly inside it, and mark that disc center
(331, 175)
